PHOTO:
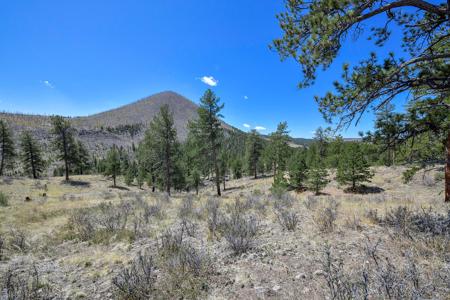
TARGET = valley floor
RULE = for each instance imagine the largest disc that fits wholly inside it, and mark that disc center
(343, 246)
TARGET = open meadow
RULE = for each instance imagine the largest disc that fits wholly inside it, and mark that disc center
(87, 240)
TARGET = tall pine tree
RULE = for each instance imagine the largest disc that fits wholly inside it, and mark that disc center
(64, 142)
(7, 152)
(31, 155)
(254, 148)
(160, 148)
(112, 164)
(209, 133)
(279, 148)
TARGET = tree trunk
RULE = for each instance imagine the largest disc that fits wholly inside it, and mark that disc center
(224, 183)
(217, 171)
(256, 172)
(196, 190)
(114, 180)
(447, 171)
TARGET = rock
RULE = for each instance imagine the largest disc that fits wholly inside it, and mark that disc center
(27, 199)
(300, 276)
(276, 288)
(318, 273)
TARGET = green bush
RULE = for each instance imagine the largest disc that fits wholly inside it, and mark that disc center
(409, 174)
(3, 199)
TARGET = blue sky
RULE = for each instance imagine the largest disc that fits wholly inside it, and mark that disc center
(83, 57)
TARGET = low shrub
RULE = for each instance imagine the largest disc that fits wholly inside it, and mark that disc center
(4, 199)
(240, 232)
(287, 219)
(23, 281)
(137, 282)
(326, 216)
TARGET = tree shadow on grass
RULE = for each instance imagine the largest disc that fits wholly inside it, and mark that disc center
(363, 189)
(117, 187)
(232, 188)
(78, 183)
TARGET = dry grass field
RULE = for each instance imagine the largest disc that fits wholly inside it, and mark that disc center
(87, 240)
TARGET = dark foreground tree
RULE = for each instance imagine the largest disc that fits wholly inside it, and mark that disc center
(208, 132)
(314, 32)
(112, 164)
(31, 155)
(353, 167)
(7, 152)
(64, 142)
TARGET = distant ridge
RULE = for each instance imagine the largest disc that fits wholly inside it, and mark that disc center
(102, 130)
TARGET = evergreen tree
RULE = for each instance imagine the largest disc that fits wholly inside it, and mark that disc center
(130, 174)
(112, 164)
(208, 132)
(160, 148)
(317, 178)
(389, 127)
(297, 169)
(195, 180)
(224, 165)
(31, 155)
(236, 167)
(315, 32)
(64, 143)
(279, 148)
(322, 138)
(353, 168)
(83, 160)
(141, 175)
(7, 152)
(253, 152)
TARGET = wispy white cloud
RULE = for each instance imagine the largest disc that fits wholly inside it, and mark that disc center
(209, 80)
(48, 84)
(246, 97)
(260, 128)
(246, 125)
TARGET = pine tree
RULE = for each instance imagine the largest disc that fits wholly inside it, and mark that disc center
(236, 167)
(112, 167)
(130, 174)
(31, 155)
(195, 180)
(64, 142)
(297, 169)
(279, 148)
(317, 177)
(7, 151)
(353, 167)
(208, 131)
(141, 175)
(83, 158)
(159, 148)
(253, 152)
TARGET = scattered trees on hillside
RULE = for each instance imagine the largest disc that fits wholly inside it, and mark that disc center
(31, 155)
(7, 151)
(353, 167)
(423, 74)
(112, 164)
(64, 143)
(208, 133)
